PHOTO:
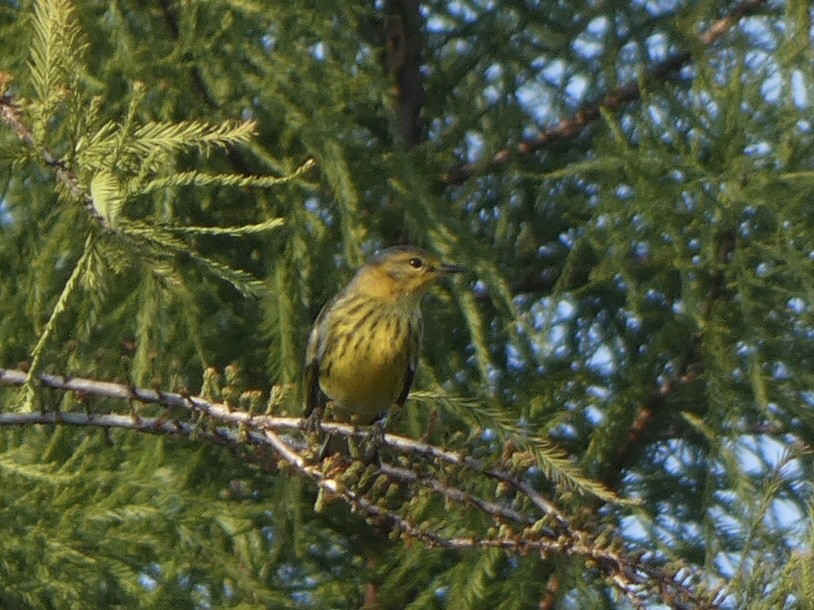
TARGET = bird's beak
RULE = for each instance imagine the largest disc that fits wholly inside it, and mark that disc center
(446, 268)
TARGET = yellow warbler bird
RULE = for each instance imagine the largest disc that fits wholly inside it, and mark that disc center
(363, 349)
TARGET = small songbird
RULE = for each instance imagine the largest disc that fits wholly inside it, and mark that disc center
(363, 349)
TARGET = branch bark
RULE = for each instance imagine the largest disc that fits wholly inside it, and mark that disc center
(403, 45)
(525, 523)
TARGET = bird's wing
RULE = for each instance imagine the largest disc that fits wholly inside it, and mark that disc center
(312, 391)
(313, 394)
(412, 360)
(408, 382)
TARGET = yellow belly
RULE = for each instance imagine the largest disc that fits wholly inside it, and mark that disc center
(364, 386)
(364, 367)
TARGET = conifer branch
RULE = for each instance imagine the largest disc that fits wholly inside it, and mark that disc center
(150, 138)
(631, 574)
(457, 495)
(56, 51)
(175, 137)
(160, 244)
(152, 425)
(196, 178)
(50, 326)
(261, 227)
(224, 413)
(571, 127)
(10, 115)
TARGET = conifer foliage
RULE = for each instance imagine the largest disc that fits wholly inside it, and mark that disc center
(613, 406)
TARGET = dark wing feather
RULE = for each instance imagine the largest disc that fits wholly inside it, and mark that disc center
(313, 394)
(416, 331)
(408, 383)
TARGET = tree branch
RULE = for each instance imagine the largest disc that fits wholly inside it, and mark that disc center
(543, 531)
(10, 115)
(630, 91)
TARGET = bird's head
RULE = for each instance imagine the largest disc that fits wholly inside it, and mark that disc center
(402, 274)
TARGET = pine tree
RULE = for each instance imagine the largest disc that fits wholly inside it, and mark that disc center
(613, 406)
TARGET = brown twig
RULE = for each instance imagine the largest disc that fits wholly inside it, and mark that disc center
(628, 92)
(10, 115)
(224, 413)
(630, 574)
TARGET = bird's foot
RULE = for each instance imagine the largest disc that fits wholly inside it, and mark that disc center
(312, 423)
(375, 442)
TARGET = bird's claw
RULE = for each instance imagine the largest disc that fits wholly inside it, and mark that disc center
(375, 441)
(312, 423)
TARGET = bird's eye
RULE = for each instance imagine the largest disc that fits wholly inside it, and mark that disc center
(416, 263)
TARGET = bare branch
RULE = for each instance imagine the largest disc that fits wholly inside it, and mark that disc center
(631, 574)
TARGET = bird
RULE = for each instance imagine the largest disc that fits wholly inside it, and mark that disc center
(363, 348)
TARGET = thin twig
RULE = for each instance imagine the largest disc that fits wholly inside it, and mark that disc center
(10, 115)
(631, 577)
(628, 573)
(226, 414)
(456, 495)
